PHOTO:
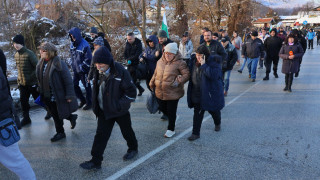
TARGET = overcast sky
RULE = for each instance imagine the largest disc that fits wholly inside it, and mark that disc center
(286, 3)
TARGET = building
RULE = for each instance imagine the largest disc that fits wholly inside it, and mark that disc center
(263, 22)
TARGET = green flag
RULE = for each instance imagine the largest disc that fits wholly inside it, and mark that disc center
(164, 25)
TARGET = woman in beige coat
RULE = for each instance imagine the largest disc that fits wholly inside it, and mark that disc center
(168, 82)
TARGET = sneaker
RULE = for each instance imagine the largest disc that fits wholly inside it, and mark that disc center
(87, 107)
(169, 134)
(141, 92)
(285, 89)
(253, 80)
(266, 78)
(164, 117)
(193, 137)
(58, 137)
(90, 165)
(48, 116)
(239, 71)
(73, 118)
(130, 155)
(82, 104)
(217, 128)
(25, 121)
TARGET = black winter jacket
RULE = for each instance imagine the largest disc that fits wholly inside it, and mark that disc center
(272, 46)
(119, 92)
(253, 48)
(216, 48)
(133, 51)
(5, 99)
(228, 63)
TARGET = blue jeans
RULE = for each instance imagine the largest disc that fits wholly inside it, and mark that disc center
(252, 66)
(244, 64)
(226, 77)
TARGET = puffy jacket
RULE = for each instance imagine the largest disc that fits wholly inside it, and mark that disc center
(186, 49)
(118, 94)
(5, 99)
(272, 46)
(216, 48)
(310, 35)
(26, 64)
(164, 78)
(291, 65)
(211, 87)
(228, 63)
(80, 52)
(133, 51)
(61, 85)
(150, 57)
(253, 48)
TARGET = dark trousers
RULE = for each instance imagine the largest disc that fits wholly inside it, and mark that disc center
(25, 92)
(261, 63)
(198, 117)
(169, 108)
(288, 80)
(52, 108)
(83, 78)
(268, 62)
(103, 133)
(310, 43)
(132, 70)
(148, 79)
(318, 41)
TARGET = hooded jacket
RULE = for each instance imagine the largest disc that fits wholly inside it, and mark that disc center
(164, 78)
(80, 52)
(211, 85)
(118, 93)
(150, 57)
(272, 46)
(5, 99)
(253, 48)
(133, 51)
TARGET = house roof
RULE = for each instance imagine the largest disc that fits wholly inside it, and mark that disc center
(263, 20)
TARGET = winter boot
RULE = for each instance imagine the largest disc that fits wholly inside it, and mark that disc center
(290, 82)
(26, 119)
(275, 74)
(286, 80)
(267, 77)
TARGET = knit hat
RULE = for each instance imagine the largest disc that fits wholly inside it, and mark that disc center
(215, 34)
(171, 48)
(225, 39)
(203, 50)
(99, 41)
(19, 39)
(94, 30)
(274, 29)
(162, 34)
(102, 55)
(254, 33)
(48, 47)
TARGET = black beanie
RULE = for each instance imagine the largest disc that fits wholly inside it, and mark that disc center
(102, 55)
(19, 39)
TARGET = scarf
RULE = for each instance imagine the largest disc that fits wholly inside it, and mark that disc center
(44, 78)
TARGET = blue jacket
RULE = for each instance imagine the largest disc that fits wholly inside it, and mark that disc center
(311, 35)
(150, 57)
(211, 87)
(80, 52)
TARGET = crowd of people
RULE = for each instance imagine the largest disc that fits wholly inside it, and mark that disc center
(168, 67)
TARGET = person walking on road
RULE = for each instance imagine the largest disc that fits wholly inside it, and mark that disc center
(168, 81)
(11, 156)
(272, 47)
(237, 42)
(253, 49)
(132, 52)
(290, 52)
(150, 56)
(318, 37)
(246, 37)
(310, 37)
(26, 62)
(186, 47)
(263, 38)
(202, 34)
(97, 43)
(227, 65)
(205, 89)
(56, 88)
(303, 42)
(214, 46)
(113, 92)
(81, 59)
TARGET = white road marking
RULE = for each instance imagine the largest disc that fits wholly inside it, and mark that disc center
(169, 143)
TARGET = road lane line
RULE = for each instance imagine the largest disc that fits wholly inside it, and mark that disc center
(169, 143)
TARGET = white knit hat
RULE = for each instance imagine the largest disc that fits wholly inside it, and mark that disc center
(172, 48)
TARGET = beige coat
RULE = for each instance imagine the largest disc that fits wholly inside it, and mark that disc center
(164, 79)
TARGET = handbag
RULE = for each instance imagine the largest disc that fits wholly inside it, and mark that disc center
(9, 133)
(152, 103)
(141, 71)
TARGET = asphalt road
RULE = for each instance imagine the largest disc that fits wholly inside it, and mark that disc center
(266, 133)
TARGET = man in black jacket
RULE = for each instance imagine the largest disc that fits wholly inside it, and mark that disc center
(253, 49)
(214, 46)
(303, 43)
(163, 40)
(113, 91)
(94, 35)
(132, 52)
(272, 47)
